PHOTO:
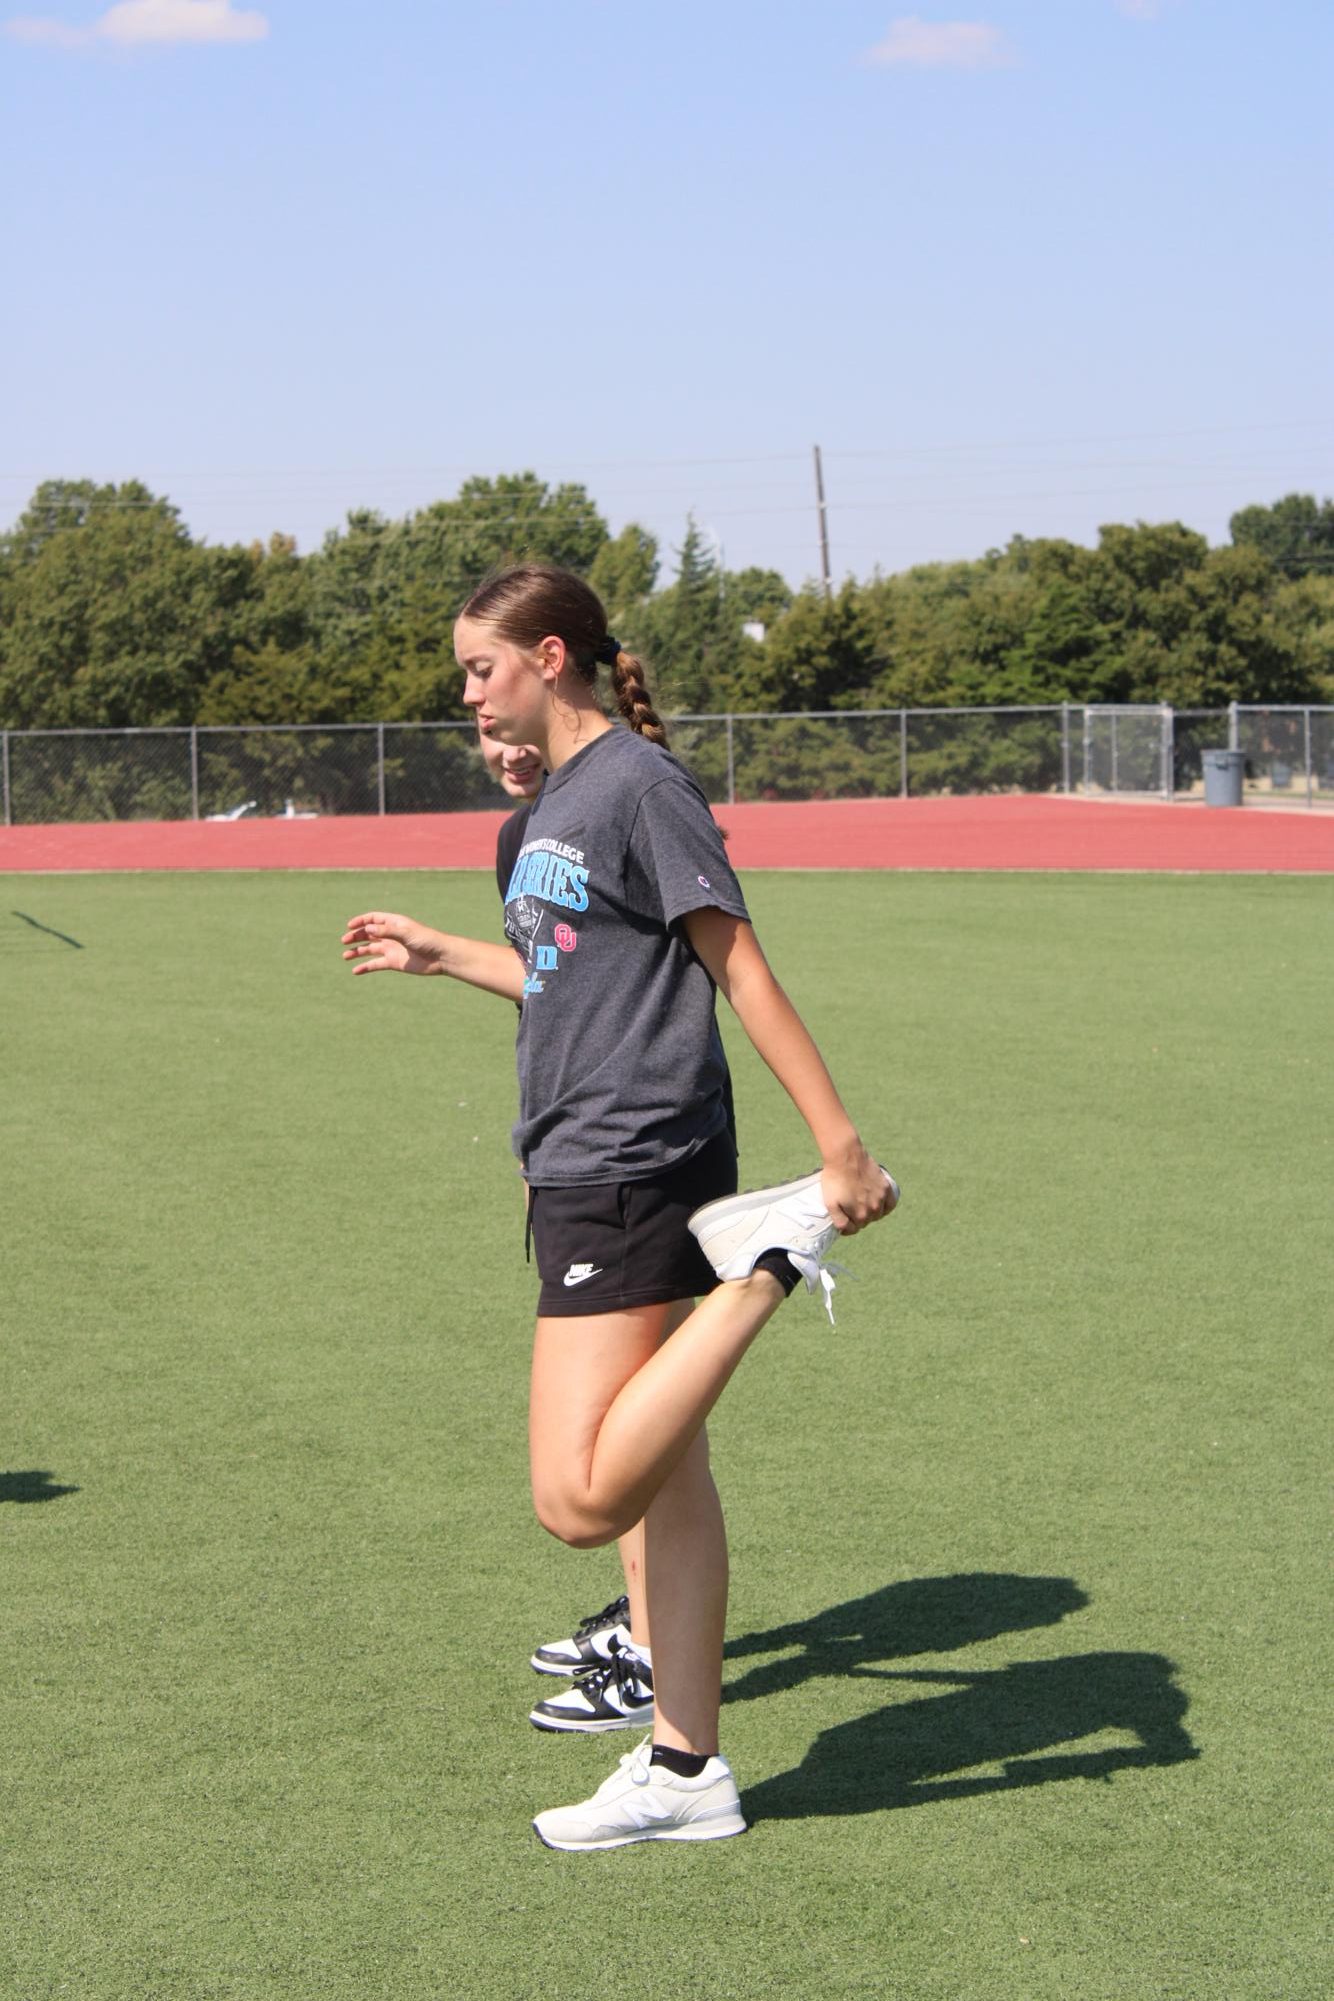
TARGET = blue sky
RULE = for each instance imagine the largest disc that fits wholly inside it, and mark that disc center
(1021, 267)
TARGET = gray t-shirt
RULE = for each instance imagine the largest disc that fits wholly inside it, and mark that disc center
(621, 1068)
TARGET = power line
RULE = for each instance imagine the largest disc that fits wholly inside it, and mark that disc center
(467, 469)
(1099, 438)
(490, 506)
(460, 468)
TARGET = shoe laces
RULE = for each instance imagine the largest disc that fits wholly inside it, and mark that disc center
(819, 1271)
(638, 1764)
(614, 1614)
(633, 1677)
(641, 1762)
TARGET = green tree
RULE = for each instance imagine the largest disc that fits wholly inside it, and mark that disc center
(384, 595)
(757, 595)
(112, 617)
(271, 672)
(688, 637)
(1306, 608)
(61, 504)
(624, 572)
(818, 655)
(1225, 634)
(519, 518)
(917, 634)
(1296, 533)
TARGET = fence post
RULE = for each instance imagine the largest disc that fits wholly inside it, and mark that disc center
(1065, 746)
(731, 764)
(1088, 749)
(903, 753)
(4, 765)
(1233, 733)
(194, 772)
(1306, 746)
(379, 765)
(1169, 751)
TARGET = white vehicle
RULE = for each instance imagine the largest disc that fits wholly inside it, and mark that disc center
(235, 812)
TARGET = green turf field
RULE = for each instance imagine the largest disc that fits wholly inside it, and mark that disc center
(1028, 1661)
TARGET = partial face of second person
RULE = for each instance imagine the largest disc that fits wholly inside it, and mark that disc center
(516, 767)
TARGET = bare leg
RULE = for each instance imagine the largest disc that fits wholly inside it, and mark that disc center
(631, 1546)
(685, 1564)
(613, 1414)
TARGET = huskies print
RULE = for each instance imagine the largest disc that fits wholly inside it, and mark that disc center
(549, 877)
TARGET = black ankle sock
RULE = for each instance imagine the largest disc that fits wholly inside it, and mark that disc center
(686, 1764)
(780, 1266)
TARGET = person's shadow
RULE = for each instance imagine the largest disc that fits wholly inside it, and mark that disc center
(920, 1615)
(911, 1752)
(35, 1485)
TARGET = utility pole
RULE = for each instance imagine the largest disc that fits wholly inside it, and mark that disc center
(824, 524)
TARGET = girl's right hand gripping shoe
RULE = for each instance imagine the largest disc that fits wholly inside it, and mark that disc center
(737, 1229)
(645, 1802)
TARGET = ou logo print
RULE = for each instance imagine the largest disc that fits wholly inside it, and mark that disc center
(565, 938)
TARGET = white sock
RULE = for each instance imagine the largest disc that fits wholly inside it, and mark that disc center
(644, 1653)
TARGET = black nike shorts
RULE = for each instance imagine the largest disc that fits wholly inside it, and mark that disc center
(625, 1243)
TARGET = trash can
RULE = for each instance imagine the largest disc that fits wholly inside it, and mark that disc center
(1223, 773)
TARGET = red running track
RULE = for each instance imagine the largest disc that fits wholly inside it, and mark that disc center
(1041, 832)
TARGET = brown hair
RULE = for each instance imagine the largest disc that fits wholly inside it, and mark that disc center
(533, 601)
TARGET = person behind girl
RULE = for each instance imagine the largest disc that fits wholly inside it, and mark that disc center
(609, 1651)
(517, 770)
(625, 917)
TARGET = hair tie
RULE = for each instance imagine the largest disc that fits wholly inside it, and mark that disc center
(608, 650)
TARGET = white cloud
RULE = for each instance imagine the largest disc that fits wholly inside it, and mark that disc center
(138, 23)
(181, 21)
(941, 45)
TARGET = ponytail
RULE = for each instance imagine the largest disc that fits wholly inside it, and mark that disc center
(634, 700)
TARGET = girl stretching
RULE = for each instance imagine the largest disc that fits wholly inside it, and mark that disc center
(608, 1653)
(623, 916)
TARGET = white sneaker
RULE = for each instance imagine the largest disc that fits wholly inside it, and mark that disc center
(792, 1217)
(643, 1802)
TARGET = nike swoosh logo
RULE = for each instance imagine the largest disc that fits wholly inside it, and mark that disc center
(578, 1278)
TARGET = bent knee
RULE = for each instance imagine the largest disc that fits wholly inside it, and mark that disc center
(573, 1523)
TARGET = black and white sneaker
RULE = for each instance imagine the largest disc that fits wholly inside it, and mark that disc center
(616, 1696)
(591, 1643)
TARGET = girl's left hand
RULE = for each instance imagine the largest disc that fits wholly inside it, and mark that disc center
(383, 942)
(856, 1191)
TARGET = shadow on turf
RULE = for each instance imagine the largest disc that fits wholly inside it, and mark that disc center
(31, 1486)
(905, 1753)
(919, 1615)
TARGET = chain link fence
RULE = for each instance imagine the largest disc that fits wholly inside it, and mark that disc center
(875, 753)
(1289, 752)
(51, 776)
(1127, 749)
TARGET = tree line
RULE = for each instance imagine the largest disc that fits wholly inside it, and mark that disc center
(113, 616)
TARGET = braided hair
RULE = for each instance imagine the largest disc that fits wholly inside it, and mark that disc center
(529, 602)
